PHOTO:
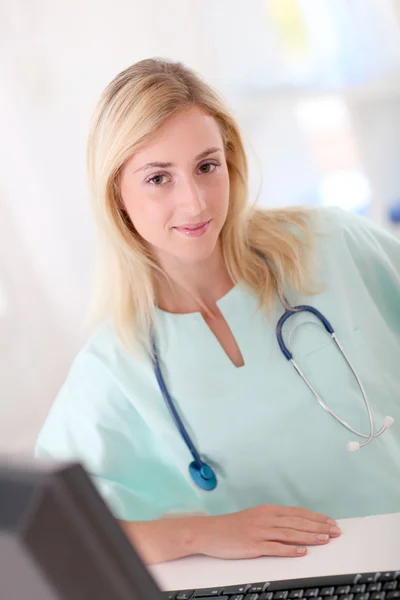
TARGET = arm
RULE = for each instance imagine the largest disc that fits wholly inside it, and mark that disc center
(261, 531)
(165, 539)
(376, 253)
(93, 421)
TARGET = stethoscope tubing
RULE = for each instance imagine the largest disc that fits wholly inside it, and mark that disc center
(199, 465)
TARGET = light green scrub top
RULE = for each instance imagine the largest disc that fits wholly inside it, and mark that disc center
(259, 426)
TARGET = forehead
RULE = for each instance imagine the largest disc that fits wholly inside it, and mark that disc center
(180, 138)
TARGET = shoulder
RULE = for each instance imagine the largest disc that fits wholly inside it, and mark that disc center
(321, 222)
(104, 351)
(101, 375)
(351, 246)
(336, 221)
(323, 228)
(332, 225)
(100, 393)
(333, 219)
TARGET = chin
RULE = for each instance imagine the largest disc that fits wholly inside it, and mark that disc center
(194, 253)
(192, 250)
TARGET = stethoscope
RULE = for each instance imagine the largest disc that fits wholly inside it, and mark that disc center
(201, 473)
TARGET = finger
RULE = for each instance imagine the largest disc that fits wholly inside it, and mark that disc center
(292, 536)
(277, 549)
(301, 524)
(294, 511)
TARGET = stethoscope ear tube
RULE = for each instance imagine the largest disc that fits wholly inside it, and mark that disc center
(292, 311)
(351, 446)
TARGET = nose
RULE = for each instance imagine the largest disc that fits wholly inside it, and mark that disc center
(192, 198)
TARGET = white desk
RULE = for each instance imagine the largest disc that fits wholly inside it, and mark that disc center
(366, 544)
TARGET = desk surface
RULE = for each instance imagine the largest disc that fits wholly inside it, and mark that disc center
(366, 544)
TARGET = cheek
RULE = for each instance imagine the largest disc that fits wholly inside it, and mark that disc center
(219, 194)
(149, 216)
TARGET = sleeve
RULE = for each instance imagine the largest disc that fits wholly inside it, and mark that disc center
(376, 253)
(91, 421)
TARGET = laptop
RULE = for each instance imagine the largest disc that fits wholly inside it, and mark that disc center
(59, 541)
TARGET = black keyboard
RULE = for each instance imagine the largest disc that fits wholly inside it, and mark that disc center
(363, 586)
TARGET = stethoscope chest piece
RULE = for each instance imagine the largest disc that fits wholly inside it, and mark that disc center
(203, 476)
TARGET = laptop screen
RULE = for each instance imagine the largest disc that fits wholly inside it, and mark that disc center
(59, 540)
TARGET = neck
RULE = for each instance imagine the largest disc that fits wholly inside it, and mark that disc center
(196, 287)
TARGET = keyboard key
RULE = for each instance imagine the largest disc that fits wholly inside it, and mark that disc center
(281, 595)
(362, 596)
(169, 595)
(258, 588)
(296, 594)
(207, 593)
(358, 589)
(236, 589)
(374, 587)
(251, 597)
(327, 591)
(390, 585)
(185, 595)
(343, 590)
(393, 595)
(369, 578)
(377, 596)
(388, 576)
(266, 596)
(346, 597)
(311, 593)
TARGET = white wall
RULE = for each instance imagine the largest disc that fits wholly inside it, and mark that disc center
(55, 59)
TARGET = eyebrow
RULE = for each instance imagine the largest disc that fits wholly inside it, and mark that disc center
(167, 165)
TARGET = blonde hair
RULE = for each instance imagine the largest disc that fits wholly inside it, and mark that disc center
(265, 248)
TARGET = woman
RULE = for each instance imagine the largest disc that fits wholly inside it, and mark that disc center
(194, 283)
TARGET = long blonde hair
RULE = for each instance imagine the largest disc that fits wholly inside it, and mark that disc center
(265, 248)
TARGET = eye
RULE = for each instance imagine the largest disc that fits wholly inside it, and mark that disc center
(158, 180)
(208, 167)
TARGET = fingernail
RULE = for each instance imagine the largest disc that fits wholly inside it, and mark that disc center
(334, 530)
(301, 550)
(323, 537)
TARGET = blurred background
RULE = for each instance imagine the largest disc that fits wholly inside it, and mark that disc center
(315, 85)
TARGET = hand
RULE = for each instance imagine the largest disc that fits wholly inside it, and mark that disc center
(264, 531)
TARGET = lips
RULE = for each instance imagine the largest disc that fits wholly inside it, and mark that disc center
(193, 229)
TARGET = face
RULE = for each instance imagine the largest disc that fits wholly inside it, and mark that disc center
(176, 188)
